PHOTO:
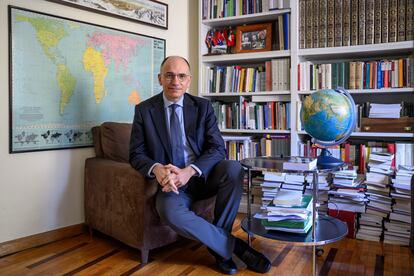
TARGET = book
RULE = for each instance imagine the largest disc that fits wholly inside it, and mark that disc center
(300, 164)
(304, 207)
(288, 223)
(288, 198)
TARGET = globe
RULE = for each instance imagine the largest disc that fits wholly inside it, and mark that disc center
(329, 117)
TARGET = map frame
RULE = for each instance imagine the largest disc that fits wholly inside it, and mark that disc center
(12, 149)
(156, 11)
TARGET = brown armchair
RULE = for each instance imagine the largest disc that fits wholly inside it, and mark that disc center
(119, 201)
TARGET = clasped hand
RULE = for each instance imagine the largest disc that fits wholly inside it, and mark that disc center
(171, 178)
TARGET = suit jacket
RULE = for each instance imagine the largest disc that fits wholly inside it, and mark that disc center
(150, 141)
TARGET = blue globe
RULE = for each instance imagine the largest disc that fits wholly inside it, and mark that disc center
(328, 116)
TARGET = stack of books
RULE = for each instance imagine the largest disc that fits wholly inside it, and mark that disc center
(397, 229)
(272, 181)
(378, 193)
(294, 181)
(324, 185)
(347, 193)
(290, 211)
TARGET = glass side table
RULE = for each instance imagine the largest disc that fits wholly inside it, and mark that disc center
(325, 229)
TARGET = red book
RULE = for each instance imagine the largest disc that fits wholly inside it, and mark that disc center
(361, 158)
(299, 77)
(345, 216)
(268, 82)
(391, 149)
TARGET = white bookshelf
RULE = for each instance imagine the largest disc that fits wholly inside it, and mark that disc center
(296, 55)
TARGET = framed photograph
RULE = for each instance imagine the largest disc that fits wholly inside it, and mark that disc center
(254, 38)
(143, 11)
(66, 76)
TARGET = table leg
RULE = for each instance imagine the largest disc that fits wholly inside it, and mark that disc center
(249, 210)
(314, 213)
(314, 260)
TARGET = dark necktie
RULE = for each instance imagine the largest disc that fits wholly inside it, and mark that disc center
(177, 148)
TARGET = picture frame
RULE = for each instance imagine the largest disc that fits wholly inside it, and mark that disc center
(253, 38)
(150, 12)
(83, 75)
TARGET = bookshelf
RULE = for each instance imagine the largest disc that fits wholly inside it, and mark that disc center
(296, 55)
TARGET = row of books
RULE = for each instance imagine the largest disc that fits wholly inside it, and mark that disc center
(252, 115)
(225, 8)
(333, 23)
(241, 147)
(273, 76)
(366, 110)
(373, 74)
(357, 154)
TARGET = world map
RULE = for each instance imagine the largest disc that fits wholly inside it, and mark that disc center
(68, 76)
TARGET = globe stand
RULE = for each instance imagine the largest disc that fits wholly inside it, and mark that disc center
(327, 161)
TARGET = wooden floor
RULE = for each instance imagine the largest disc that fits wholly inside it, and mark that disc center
(100, 255)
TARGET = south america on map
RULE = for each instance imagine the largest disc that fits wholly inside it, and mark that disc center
(68, 76)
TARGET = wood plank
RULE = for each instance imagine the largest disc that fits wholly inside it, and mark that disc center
(17, 245)
(102, 255)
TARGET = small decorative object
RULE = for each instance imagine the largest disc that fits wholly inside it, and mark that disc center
(144, 11)
(254, 38)
(328, 116)
(220, 41)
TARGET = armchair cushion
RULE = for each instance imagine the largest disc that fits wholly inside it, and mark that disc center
(115, 141)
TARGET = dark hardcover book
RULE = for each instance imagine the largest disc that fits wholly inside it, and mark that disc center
(377, 21)
(338, 23)
(354, 22)
(361, 22)
(334, 79)
(341, 74)
(346, 75)
(330, 24)
(409, 22)
(286, 32)
(369, 21)
(322, 23)
(393, 20)
(309, 23)
(401, 20)
(384, 20)
(315, 32)
(302, 23)
(346, 23)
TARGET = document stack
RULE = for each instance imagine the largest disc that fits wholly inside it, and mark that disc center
(270, 186)
(378, 194)
(397, 229)
(385, 110)
(347, 193)
(290, 212)
(294, 181)
(323, 187)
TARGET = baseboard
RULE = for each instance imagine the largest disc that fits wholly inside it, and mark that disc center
(10, 247)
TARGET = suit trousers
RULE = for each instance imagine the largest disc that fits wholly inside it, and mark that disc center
(225, 181)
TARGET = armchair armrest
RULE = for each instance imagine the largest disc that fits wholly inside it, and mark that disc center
(118, 200)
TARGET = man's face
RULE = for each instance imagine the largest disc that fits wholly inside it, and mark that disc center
(175, 78)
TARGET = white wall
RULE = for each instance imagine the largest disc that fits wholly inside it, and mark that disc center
(42, 191)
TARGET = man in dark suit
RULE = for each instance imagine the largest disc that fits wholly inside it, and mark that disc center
(175, 139)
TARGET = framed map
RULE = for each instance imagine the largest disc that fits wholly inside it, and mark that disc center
(143, 11)
(67, 76)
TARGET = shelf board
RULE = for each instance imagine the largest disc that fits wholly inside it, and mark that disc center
(370, 91)
(263, 93)
(264, 131)
(400, 48)
(256, 57)
(244, 19)
(376, 134)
